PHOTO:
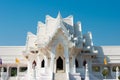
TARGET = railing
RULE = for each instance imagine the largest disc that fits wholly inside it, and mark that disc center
(98, 75)
(81, 71)
(113, 74)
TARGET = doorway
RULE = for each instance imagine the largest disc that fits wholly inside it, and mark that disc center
(59, 67)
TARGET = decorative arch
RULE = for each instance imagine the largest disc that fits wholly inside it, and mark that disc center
(60, 57)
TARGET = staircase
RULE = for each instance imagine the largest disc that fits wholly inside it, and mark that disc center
(60, 76)
(44, 76)
(75, 76)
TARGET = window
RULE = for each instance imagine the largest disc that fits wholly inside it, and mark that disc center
(23, 69)
(13, 71)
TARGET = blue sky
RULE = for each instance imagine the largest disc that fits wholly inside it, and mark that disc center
(101, 17)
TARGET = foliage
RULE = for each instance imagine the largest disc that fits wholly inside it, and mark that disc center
(13, 71)
(105, 72)
(114, 68)
(119, 77)
(96, 68)
(23, 69)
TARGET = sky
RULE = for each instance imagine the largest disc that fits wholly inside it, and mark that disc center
(101, 17)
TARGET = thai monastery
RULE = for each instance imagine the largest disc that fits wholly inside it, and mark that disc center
(59, 50)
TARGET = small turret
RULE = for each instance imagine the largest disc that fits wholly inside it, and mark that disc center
(78, 30)
(79, 26)
(89, 35)
(59, 15)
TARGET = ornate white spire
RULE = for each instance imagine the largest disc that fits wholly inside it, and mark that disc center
(59, 15)
(59, 20)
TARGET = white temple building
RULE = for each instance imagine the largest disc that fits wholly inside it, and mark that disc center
(59, 50)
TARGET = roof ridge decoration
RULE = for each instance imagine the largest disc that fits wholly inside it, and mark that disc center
(59, 15)
(31, 34)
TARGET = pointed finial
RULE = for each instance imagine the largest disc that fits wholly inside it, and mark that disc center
(59, 15)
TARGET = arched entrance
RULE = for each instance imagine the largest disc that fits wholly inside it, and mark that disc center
(60, 60)
(84, 63)
(34, 64)
(43, 63)
(59, 64)
(76, 63)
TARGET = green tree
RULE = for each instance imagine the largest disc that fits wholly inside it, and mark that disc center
(119, 77)
(105, 72)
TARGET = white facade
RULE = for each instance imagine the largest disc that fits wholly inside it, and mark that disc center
(58, 51)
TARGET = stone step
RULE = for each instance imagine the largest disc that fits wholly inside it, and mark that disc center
(60, 76)
(75, 76)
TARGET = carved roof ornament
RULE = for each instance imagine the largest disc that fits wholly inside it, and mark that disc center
(59, 15)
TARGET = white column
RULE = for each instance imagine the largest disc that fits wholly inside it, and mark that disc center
(67, 62)
(7, 72)
(52, 63)
(117, 73)
(34, 73)
(2, 70)
(55, 65)
(46, 64)
(17, 78)
(101, 69)
(111, 69)
(86, 73)
(73, 65)
(81, 62)
(28, 70)
(89, 62)
(38, 66)
(52, 66)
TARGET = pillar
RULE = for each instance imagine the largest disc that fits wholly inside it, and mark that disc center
(67, 62)
(17, 72)
(117, 73)
(111, 70)
(86, 72)
(46, 64)
(38, 66)
(89, 62)
(28, 70)
(2, 71)
(52, 63)
(52, 66)
(101, 69)
(73, 65)
(81, 62)
(55, 65)
(7, 72)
